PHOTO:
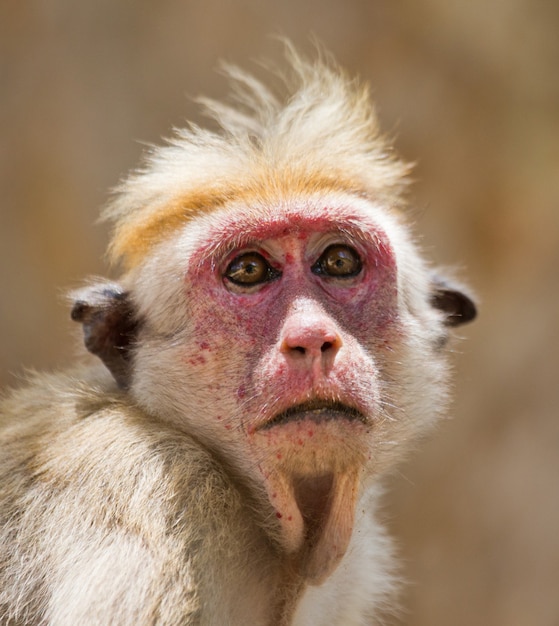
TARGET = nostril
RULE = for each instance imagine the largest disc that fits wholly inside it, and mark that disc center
(300, 349)
(326, 346)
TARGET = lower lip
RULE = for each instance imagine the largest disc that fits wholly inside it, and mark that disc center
(318, 416)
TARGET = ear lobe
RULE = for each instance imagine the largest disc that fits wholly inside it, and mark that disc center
(109, 326)
(451, 300)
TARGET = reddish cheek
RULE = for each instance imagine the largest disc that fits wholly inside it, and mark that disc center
(241, 392)
(220, 318)
(195, 360)
(201, 351)
(372, 313)
(281, 368)
(199, 358)
(377, 307)
(252, 326)
(226, 327)
(376, 313)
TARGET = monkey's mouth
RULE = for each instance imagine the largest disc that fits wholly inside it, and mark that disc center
(317, 411)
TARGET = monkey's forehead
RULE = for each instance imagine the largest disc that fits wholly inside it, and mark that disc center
(231, 228)
(280, 198)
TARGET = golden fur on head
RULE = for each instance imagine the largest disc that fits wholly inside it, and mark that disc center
(323, 135)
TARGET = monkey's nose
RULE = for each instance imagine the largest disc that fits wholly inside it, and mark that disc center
(309, 339)
(313, 343)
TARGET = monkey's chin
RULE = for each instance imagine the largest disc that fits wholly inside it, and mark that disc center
(313, 485)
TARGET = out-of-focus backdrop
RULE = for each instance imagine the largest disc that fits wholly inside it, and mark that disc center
(471, 92)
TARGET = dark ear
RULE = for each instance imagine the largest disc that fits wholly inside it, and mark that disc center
(109, 326)
(458, 307)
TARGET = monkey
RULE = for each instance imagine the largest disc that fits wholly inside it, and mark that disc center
(275, 344)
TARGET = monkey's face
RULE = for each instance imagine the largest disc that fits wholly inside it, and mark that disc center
(282, 338)
(276, 309)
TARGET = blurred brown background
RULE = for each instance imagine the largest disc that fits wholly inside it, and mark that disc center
(471, 90)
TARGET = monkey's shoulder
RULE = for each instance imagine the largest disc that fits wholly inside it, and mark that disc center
(100, 502)
(80, 434)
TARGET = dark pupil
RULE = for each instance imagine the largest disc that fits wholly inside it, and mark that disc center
(340, 261)
(248, 269)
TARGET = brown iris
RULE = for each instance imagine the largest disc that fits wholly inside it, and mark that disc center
(250, 269)
(338, 261)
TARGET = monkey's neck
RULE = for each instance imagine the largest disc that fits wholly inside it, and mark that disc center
(289, 592)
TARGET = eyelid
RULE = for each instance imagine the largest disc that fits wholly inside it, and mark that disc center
(237, 251)
(337, 237)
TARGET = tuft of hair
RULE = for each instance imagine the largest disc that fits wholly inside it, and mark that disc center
(322, 133)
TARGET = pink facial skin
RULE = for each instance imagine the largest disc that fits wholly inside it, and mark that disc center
(308, 392)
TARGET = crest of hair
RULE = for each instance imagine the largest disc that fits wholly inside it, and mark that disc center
(321, 133)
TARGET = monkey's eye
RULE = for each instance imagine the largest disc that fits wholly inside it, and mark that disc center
(338, 261)
(250, 269)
